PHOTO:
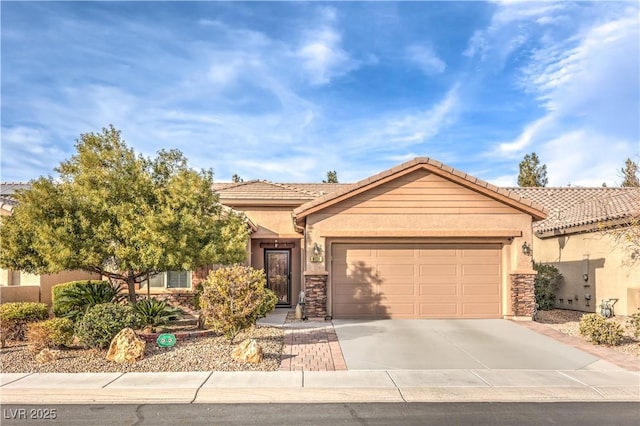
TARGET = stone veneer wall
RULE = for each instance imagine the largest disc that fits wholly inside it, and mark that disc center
(522, 294)
(315, 294)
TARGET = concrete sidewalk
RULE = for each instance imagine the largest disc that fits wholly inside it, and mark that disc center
(321, 387)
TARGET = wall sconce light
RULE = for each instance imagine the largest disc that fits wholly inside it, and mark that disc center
(316, 249)
(585, 267)
(526, 249)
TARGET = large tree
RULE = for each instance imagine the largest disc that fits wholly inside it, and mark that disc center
(531, 172)
(630, 174)
(121, 215)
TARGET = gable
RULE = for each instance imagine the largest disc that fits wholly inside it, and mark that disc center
(420, 192)
(454, 190)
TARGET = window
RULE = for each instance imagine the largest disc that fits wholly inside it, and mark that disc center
(169, 279)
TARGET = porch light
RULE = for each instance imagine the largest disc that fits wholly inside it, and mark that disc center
(526, 249)
(316, 249)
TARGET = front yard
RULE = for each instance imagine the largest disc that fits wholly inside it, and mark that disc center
(200, 354)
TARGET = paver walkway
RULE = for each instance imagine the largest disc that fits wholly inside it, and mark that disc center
(311, 348)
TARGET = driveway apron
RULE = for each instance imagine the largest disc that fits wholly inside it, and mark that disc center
(452, 344)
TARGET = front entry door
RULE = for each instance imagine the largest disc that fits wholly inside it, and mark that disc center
(278, 268)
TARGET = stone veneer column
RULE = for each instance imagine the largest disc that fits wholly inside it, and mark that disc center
(522, 294)
(315, 293)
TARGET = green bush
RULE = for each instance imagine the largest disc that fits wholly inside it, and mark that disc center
(52, 333)
(102, 322)
(546, 285)
(154, 312)
(14, 318)
(269, 302)
(232, 299)
(600, 330)
(635, 324)
(71, 300)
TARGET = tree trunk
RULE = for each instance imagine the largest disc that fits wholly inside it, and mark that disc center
(131, 286)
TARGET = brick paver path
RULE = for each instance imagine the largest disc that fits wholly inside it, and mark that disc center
(620, 359)
(311, 349)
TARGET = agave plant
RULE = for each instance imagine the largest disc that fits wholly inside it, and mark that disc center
(78, 299)
(153, 312)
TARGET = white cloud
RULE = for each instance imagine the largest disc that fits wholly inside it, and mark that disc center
(323, 57)
(426, 59)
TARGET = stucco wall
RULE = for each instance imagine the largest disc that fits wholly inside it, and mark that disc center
(272, 222)
(610, 272)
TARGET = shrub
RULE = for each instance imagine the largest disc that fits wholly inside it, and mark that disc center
(102, 322)
(52, 333)
(546, 285)
(635, 324)
(600, 330)
(71, 300)
(154, 312)
(232, 299)
(14, 318)
(269, 302)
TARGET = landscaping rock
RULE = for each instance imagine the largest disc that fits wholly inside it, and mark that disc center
(126, 347)
(248, 351)
(47, 355)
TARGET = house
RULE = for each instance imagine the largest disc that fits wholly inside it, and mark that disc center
(574, 237)
(420, 240)
(17, 286)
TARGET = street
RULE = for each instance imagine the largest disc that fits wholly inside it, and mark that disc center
(521, 414)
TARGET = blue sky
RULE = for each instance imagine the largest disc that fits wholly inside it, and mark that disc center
(287, 91)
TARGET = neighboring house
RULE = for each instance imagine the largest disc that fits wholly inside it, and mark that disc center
(16, 286)
(574, 238)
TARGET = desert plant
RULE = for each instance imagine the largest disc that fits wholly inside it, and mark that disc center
(546, 284)
(635, 324)
(72, 300)
(102, 322)
(14, 318)
(52, 333)
(233, 298)
(600, 330)
(154, 312)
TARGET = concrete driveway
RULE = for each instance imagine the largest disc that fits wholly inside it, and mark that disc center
(452, 344)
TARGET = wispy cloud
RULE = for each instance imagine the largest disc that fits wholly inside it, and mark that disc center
(426, 59)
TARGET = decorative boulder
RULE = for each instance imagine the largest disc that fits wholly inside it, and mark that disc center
(248, 351)
(126, 347)
(47, 355)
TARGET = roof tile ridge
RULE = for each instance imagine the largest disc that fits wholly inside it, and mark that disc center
(292, 188)
(238, 184)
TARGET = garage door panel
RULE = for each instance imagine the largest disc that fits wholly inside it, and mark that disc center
(438, 290)
(437, 270)
(394, 272)
(417, 280)
(439, 310)
(396, 290)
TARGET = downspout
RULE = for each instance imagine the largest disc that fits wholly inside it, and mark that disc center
(303, 252)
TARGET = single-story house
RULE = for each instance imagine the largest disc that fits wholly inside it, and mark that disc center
(577, 238)
(420, 240)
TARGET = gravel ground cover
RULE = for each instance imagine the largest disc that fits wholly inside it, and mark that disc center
(568, 322)
(211, 353)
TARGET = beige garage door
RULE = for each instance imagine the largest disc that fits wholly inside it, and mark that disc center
(416, 281)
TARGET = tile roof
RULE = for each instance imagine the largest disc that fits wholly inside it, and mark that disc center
(572, 207)
(516, 200)
(266, 190)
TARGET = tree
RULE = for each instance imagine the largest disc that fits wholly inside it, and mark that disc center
(332, 177)
(120, 215)
(236, 179)
(531, 172)
(630, 174)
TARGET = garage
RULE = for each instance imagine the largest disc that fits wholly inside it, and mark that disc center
(415, 280)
